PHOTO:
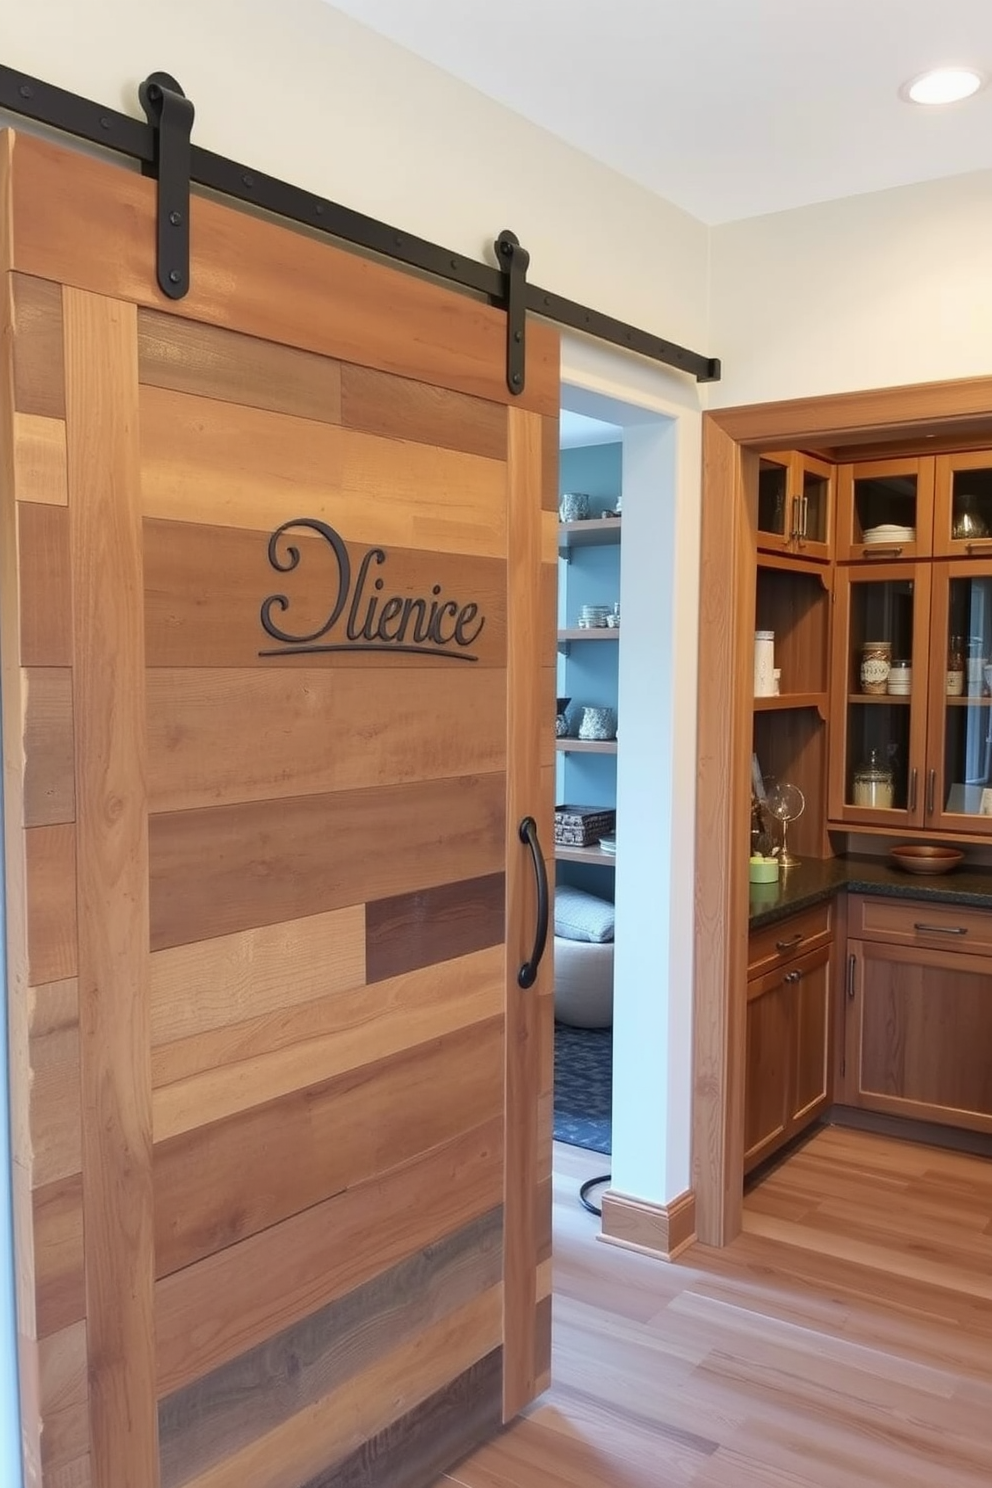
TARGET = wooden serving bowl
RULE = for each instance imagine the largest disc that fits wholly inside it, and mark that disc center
(926, 858)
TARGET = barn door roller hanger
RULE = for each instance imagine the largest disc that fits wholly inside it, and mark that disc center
(164, 149)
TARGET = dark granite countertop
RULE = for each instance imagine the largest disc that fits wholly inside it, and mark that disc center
(812, 881)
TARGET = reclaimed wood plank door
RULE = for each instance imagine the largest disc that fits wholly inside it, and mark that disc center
(278, 653)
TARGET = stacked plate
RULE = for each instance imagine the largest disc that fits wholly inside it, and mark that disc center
(594, 617)
(888, 532)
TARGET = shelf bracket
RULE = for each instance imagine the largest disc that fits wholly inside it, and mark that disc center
(170, 115)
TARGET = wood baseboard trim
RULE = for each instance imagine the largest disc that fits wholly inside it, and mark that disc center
(663, 1230)
(911, 1129)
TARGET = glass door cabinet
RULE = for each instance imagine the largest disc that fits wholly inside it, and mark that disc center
(878, 695)
(795, 503)
(958, 792)
(885, 510)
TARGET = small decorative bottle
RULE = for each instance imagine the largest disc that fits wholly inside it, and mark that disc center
(955, 667)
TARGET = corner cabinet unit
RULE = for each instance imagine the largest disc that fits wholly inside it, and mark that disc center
(786, 1079)
(914, 753)
(918, 1011)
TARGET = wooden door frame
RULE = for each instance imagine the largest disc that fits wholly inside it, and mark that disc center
(886, 420)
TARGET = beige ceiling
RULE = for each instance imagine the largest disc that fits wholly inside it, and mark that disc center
(729, 108)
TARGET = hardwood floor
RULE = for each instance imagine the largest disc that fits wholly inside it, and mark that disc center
(843, 1341)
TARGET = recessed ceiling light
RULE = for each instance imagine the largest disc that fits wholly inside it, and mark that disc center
(943, 85)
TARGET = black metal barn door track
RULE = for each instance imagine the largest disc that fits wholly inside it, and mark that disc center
(164, 148)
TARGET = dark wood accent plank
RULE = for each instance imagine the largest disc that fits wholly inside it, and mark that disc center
(443, 1428)
(112, 883)
(213, 1418)
(45, 584)
(229, 868)
(49, 779)
(211, 362)
(209, 1313)
(391, 1111)
(204, 588)
(430, 925)
(50, 854)
(39, 374)
(402, 408)
(58, 1254)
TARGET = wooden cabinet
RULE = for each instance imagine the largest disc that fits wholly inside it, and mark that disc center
(885, 510)
(927, 742)
(786, 1082)
(962, 526)
(918, 1021)
(795, 505)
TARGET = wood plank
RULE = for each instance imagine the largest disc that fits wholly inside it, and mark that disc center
(112, 884)
(205, 588)
(405, 408)
(55, 1106)
(434, 1434)
(549, 463)
(243, 1400)
(63, 1365)
(210, 1313)
(45, 584)
(530, 711)
(39, 459)
(215, 1075)
(366, 1406)
(393, 1110)
(212, 362)
(233, 979)
(76, 1474)
(222, 464)
(51, 892)
(58, 1252)
(218, 736)
(49, 778)
(67, 207)
(39, 373)
(309, 854)
(432, 925)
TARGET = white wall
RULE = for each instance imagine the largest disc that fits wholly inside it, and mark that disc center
(295, 88)
(871, 291)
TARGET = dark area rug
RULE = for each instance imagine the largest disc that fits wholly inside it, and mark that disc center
(584, 1086)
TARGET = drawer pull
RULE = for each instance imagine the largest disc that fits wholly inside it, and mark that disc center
(912, 789)
(940, 929)
(852, 962)
(793, 976)
(978, 547)
(931, 791)
(877, 552)
(787, 945)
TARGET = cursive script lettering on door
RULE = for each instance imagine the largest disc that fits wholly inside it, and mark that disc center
(362, 615)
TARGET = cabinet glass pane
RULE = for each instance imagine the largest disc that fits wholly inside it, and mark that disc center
(885, 509)
(968, 705)
(773, 502)
(878, 707)
(816, 496)
(971, 504)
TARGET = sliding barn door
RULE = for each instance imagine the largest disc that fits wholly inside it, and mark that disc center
(278, 649)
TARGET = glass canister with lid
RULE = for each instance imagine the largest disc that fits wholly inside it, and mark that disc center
(874, 783)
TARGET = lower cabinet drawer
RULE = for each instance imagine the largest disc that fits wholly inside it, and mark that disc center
(920, 922)
(773, 945)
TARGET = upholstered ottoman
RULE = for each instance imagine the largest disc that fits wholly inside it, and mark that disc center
(583, 966)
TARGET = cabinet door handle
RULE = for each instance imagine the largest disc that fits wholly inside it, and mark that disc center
(912, 789)
(877, 552)
(794, 533)
(852, 962)
(793, 976)
(931, 791)
(786, 945)
(978, 547)
(805, 511)
(527, 975)
(940, 929)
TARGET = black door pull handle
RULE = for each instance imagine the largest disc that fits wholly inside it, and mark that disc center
(527, 975)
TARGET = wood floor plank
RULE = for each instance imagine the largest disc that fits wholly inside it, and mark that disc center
(789, 1359)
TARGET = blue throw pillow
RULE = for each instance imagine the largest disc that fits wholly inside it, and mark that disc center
(581, 916)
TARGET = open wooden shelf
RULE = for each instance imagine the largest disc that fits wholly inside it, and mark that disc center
(586, 746)
(783, 700)
(873, 699)
(594, 854)
(596, 633)
(593, 531)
